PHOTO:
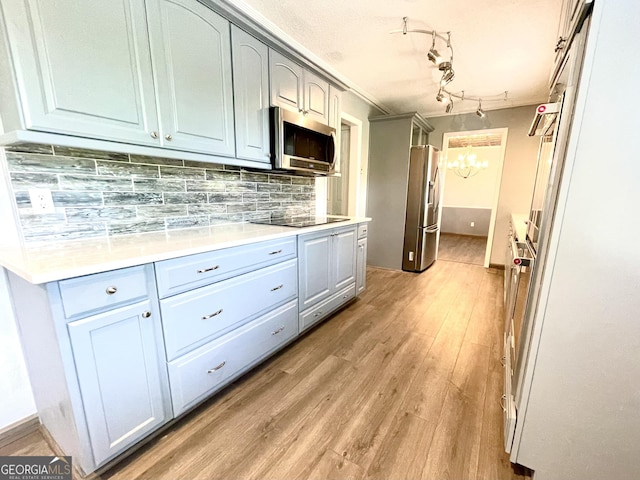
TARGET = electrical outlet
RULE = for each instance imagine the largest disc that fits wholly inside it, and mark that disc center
(411, 256)
(41, 200)
(473, 224)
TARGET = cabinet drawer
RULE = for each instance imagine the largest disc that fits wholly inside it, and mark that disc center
(186, 273)
(200, 373)
(193, 318)
(94, 293)
(362, 230)
(323, 310)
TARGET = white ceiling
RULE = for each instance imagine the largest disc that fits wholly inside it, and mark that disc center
(498, 44)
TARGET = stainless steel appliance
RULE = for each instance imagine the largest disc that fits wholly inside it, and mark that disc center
(300, 144)
(421, 221)
(552, 121)
(517, 274)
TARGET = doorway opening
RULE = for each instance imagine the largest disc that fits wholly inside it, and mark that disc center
(342, 193)
(470, 195)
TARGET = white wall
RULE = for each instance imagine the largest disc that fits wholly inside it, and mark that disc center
(16, 399)
(476, 191)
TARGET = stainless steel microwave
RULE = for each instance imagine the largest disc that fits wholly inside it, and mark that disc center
(300, 144)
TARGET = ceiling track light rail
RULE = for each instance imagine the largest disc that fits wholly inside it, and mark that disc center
(445, 65)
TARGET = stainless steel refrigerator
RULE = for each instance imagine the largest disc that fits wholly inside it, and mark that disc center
(421, 222)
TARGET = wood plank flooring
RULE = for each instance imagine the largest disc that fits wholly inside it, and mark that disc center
(462, 248)
(404, 383)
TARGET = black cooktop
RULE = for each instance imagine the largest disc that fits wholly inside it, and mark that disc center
(300, 221)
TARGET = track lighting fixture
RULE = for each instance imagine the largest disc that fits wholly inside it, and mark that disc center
(433, 54)
(445, 65)
(447, 76)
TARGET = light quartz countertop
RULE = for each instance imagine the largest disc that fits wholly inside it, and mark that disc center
(59, 260)
(519, 222)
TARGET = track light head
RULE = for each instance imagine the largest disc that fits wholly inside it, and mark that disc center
(449, 107)
(447, 76)
(434, 56)
(479, 111)
(441, 98)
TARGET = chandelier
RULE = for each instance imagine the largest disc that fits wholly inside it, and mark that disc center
(445, 65)
(467, 164)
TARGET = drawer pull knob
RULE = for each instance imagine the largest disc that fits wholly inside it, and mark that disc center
(111, 290)
(318, 314)
(277, 288)
(344, 296)
(146, 314)
(210, 269)
(207, 317)
(217, 367)
(275, 332)
(275, 252)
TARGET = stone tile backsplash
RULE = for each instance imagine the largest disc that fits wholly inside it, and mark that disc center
(98, 194)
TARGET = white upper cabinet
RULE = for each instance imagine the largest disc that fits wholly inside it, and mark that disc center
(191, 52)
(316, 97)
(287, 84)
(298, 89)
(251, 96)
(83, 68)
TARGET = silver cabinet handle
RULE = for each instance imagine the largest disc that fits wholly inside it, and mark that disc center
(317, 314)
(275, 332)
(207, 317)
(168, 136)
(217, 367)
(503, 399)
(268, 155)
(154, 134)
(146, 314)
(503, 360)
(277, 288)
(210, 269)
(345, 296)
(111, 290)
(275, 252)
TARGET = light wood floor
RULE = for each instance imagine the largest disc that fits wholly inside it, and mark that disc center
(405, 383)
(462, 248)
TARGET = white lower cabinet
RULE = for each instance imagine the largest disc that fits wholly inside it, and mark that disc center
(128, 350)
(361, 263)
(202, 372)
(119, 376)
(193, 318)
(327, 266)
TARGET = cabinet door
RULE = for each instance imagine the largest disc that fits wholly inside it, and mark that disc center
(286, 82)
(314, 254)
(83, 68)
(191, 52)
(251, 96)
(118, 370)
(316, 98)
(361, 262)
(344, 257)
